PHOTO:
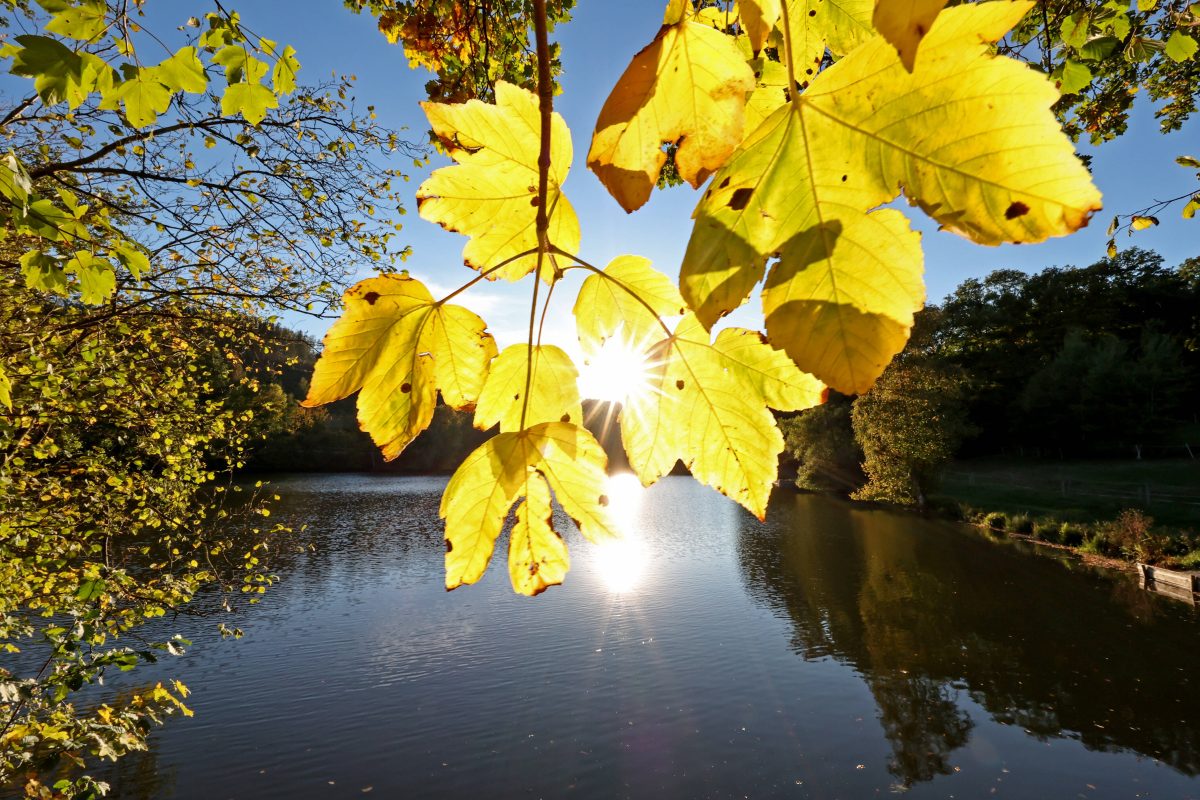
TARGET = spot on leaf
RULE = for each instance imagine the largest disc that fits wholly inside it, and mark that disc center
(741, 198)
(1017, 209)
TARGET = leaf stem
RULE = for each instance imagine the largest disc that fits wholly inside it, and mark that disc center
(545, 89)
(483, 275)
(581, 264)
(789, 56)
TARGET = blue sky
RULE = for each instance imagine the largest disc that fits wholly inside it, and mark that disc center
(597, 45)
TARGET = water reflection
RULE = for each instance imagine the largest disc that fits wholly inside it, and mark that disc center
(622, 562)
(932, 620)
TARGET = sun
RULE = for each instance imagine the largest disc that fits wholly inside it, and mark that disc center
(615, 373)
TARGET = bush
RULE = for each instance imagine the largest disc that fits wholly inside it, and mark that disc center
(1070, 535)
(1096, 544)
(996, 521)
(1021, 523)
(1132, 535)
(1047, 531)
(1190, 560)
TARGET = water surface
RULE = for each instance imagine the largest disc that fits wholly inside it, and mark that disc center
(831, 652)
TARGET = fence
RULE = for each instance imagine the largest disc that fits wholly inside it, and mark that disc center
(1141, 494)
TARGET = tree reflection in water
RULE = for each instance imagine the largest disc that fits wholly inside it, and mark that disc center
(925, 619)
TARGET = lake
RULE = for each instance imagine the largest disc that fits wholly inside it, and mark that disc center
(830, 652)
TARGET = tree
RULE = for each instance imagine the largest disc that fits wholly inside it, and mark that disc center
(155, 200)
(821, 440)
(909, 425)
(807, 122)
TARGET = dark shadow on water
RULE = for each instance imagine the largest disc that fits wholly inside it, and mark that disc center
(926, 621)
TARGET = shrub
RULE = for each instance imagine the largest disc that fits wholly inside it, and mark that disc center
(996, 521)
(1070, 535)
(1021, 523)
(1132, 535)
(1047, 531)
(1190, 560)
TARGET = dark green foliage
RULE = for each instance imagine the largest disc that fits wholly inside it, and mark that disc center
(1074, 360)
(821, 440)
(909, 426)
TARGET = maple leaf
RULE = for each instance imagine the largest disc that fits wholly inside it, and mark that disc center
(626, 301)
(904, 23)
(491, 195)
(969, 137)
(758, 19)
(707, 406)
(507, 468)
(689, 87)
(400, 347)
(553, 389)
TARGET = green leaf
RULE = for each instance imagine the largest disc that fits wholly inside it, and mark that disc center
(1142, 48)
(505, 469)
(144, 97)
(251, 100)
(15, 183)
(553, 389)
(240, 65)
(1146, 5)
(133, 258)
(1099, 48)
(283, 75)
(5, 389)
(183, 72)
(59, 75)
(1188, 161)
(83, 22)
(90, 590)
(1180, 47)
(97, 280)
(1072, 77)
(43, 272)
(1074, 29)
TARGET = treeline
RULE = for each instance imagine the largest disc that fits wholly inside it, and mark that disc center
(291, 438)
(1070, 362)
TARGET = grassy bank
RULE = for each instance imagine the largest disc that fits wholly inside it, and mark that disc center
(1137, 510)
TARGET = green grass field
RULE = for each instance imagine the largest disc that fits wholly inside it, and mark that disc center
(1079, 491)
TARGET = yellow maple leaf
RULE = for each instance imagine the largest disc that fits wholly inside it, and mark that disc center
(904, 23)
(626, 301)
(758, 20)
(537, 555)
(707, 406)
(399, 347)
(503, 470)
(688, 86)
(491, 195)
(991, 165)
(553, 389)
